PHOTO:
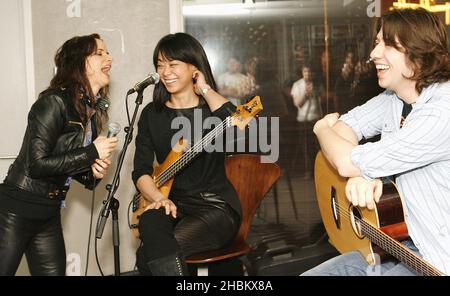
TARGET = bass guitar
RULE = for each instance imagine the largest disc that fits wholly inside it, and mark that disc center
(179, 157)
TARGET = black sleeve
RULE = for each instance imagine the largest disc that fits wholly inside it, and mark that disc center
(87, 179)
(145, 152)
(46, 122)
(225, 110)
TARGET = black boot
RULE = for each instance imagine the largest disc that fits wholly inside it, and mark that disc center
(172, 265)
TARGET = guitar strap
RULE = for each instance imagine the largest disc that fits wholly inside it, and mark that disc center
(405, 112)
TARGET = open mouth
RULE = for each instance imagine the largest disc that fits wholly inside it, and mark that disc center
(170, 81)
(106, 70)
(382, 67)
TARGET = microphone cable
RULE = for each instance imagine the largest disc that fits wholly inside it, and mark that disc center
(114, 188)
(96, 250)
(128, 111)
(102, 104)
(90, 228)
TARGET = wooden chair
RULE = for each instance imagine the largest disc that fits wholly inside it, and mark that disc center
(252, 180)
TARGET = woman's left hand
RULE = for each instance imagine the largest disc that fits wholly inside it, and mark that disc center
(100, 167)
(199, 82)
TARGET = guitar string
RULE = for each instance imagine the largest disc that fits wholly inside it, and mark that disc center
(192, 152)
(185, 158)
(174, 166)
(390, 243)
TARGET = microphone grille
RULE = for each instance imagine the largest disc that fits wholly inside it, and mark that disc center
(155, 77)
(113, 128)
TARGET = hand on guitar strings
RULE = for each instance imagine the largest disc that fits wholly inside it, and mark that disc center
(363, 193)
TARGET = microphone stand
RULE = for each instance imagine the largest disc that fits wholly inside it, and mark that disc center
(111, 203)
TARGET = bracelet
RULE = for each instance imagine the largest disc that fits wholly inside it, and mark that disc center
(205, 90)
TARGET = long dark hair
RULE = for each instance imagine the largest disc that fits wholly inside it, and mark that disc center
(424, 39)
(70, 61)
(182, 47)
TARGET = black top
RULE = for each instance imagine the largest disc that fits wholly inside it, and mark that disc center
(52, 150)
(27, 204)
(205, 173)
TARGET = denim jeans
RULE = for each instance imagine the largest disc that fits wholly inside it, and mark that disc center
(354, 264)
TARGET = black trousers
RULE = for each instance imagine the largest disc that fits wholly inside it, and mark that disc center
(41, 241)
(202, 224)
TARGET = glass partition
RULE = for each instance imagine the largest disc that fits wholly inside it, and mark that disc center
(270, 46)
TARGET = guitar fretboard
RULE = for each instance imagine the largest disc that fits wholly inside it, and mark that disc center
(397, 250)
(192, 152)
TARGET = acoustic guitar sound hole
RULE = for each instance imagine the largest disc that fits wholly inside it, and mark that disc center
(355, 219)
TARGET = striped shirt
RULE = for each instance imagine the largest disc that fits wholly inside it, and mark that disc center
(419, 155)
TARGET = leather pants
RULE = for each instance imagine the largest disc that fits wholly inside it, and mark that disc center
(42, 242)
(203, 223)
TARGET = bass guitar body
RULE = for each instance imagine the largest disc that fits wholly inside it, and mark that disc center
(139, 202)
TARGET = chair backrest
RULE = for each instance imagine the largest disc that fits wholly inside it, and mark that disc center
(252, 180)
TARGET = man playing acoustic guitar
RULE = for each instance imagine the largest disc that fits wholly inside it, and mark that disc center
(413, 64)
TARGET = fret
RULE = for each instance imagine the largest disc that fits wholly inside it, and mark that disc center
(347, 224)
(397, 250)
(192, 152)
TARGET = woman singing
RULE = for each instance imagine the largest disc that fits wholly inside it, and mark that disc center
(61, 143)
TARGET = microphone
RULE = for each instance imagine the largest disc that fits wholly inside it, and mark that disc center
(369, 61)
(152, 78)
(113, 129)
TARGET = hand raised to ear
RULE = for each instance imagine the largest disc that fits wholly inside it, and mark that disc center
(199, 82)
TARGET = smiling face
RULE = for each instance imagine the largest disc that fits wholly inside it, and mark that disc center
(98, 65)
(175, 75)
(306, 72)
(392, 66)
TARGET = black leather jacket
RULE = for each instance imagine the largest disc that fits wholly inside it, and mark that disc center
(52, 148)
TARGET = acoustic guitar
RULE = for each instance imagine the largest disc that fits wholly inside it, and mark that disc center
(371, 232)
(180, 156)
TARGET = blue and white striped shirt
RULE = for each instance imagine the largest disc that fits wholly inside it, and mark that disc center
(419, 155)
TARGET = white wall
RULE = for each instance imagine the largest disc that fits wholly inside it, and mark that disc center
(13, 82)
(131, 30)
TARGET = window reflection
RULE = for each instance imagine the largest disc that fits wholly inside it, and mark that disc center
(279, 51)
